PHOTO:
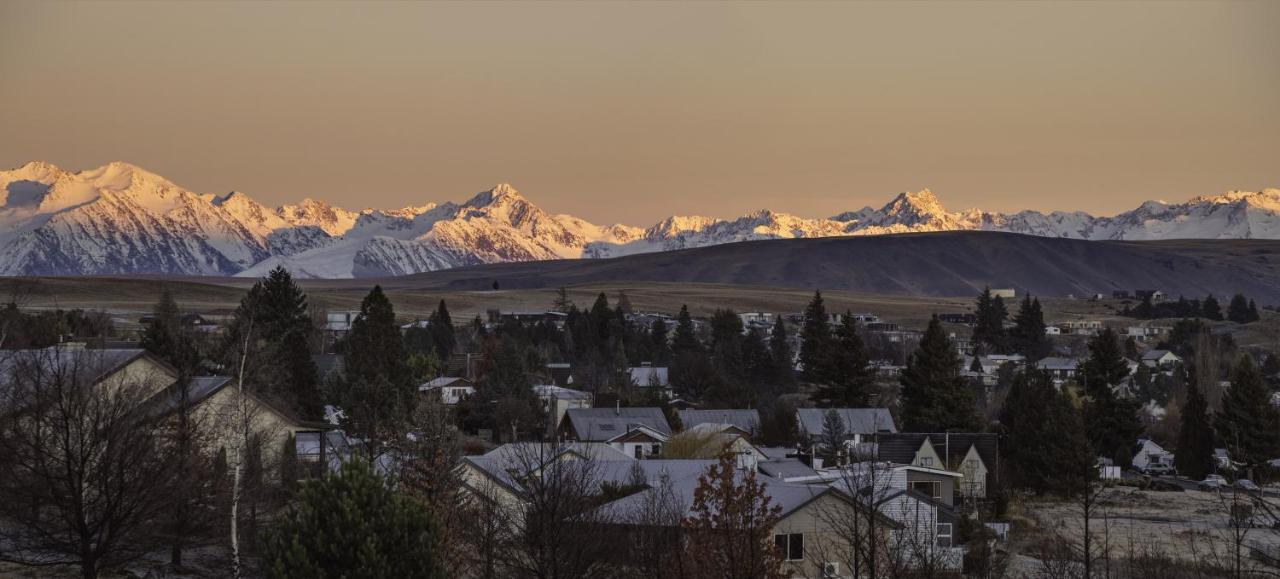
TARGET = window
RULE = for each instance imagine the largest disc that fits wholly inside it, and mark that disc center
(791, 546)
(926, 461)
(639, 451)
(944, 534)
(928, 488)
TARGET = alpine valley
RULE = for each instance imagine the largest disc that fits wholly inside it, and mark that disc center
(121, 219)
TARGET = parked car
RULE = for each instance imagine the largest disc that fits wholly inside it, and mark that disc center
(1212, 482)
(1247, 485)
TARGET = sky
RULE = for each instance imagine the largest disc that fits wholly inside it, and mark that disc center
(628, 112)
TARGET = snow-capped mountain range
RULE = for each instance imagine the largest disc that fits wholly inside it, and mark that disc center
(121, 219)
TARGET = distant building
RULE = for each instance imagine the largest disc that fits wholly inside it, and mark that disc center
(859, 423)
(1004, 293)
(556, 401)
(448, 390)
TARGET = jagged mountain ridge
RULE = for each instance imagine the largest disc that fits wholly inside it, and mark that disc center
(121, 219)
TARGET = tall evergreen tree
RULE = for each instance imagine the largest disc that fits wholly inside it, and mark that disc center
(1194, 457)
(1045, 444)
(850, 377)
(991, 313)
(1248, 424)
(1210, 308)
(1028, 336)
(686, 339)
(1253, 312)
(377, 394)
(815, 341)
(1112, 420)
(275, 312)
(935, 398)
(166, 337)
(658, 346)
(780, 354)
(443, 336)
(1238, 310)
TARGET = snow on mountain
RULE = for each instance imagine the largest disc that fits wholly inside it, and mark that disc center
(121, 219)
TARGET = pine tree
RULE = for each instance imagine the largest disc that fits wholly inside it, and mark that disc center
(377, 393)
(1238, 310)
(686, 340)
(1248, 423)
(1253, 312)
(561, 303)
(935, 398)
(850, 377)
(275, 310)
(1112, 421)
(1210, 308)
(991, 313)
(780, 354)
(1044, 444)
(443, 336)
(815, 341)
(353, 525)
(624, 303)
(1194, 457)
(658, 346)
(1028, 336)
(167, 339)
(833, 434)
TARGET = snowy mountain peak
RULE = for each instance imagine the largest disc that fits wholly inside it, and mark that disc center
(499, 194)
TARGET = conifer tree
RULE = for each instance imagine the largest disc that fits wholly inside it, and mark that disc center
(850, 377)
(1045, 441)
(780, 354)
(1210, 308)
(1248, 424)
(658, 347)
(685, 340)
(1238, 310)
(1028, 333)
(276, 310)
(1112, 421)
(815, 341)
(353, 525)
(833, 434)
(443, 336)
(167, 339)
(991, 313)
(935, 398)
(377, 393)
(1194, 457)
(1253, 312)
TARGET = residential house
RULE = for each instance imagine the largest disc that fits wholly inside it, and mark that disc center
(1160, 359)
(1152, 456)
(748, 420)
(1156, 296)
(1147, 333)
(1081, 327)
(860, 424)
(604, 424)
(1060, 369)
(556, 401)
(653, 379)
(708, 440)
(1052, 330)
(974, 455)
(448, 390)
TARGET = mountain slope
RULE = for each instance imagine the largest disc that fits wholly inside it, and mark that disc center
(121, 219)
(922, 264)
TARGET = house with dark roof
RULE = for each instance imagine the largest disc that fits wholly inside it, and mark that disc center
(604, 424)
(975, 455)
(748, 420)
(860, 424)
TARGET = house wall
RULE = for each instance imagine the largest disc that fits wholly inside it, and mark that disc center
(141, 373)
(820, 522)
(974, 483)
(220, 416)
(946, 484)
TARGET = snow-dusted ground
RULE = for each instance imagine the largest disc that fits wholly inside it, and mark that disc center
(120, 218)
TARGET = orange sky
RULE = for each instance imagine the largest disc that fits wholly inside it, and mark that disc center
(632, 111)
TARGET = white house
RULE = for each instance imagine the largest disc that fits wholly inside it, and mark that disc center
(1162, 359)
(450, 390)
(1152, 456)
(556, 401)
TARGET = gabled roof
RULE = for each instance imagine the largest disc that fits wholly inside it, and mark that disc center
(901, 447)
(746, 419)
(1058, 363)
(560, 393)
(1154, 355)
(856, 420)
(600, 424)
(93, 364)
(443, 381)
(644, 376)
